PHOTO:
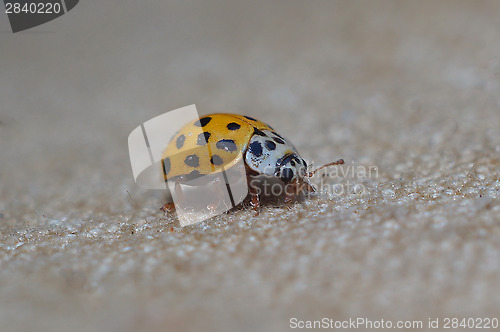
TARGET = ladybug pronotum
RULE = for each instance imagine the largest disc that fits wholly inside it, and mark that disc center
(217, 142)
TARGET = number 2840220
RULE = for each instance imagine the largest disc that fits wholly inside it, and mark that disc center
(33, 8)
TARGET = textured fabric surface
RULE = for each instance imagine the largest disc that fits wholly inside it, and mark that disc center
(410, 88)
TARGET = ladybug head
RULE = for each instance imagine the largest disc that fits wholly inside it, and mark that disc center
(290, 168)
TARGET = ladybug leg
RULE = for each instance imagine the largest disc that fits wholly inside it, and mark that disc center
(290, 193)
(309, 188)
(306, 189)
(254, 199)
(168, 207)
(255, 202)
(292, 190)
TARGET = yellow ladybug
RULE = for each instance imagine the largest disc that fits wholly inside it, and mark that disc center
(217, 142)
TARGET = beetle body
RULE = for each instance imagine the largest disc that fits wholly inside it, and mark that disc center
(218, 142)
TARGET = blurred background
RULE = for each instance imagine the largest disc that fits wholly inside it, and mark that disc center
(410, 87)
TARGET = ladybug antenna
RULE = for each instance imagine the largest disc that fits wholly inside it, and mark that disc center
(338, 162)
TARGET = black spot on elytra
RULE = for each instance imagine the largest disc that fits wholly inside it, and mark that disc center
(226, 144)
(216, 160)
(278, 140)
(203, 121)
(192, 160)
(166, 165)
(256, 149)
(203, 138)
(292, 162)
(233, 126)
(270, 145)
(258, 132)
(180, 141)
(249, 118)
